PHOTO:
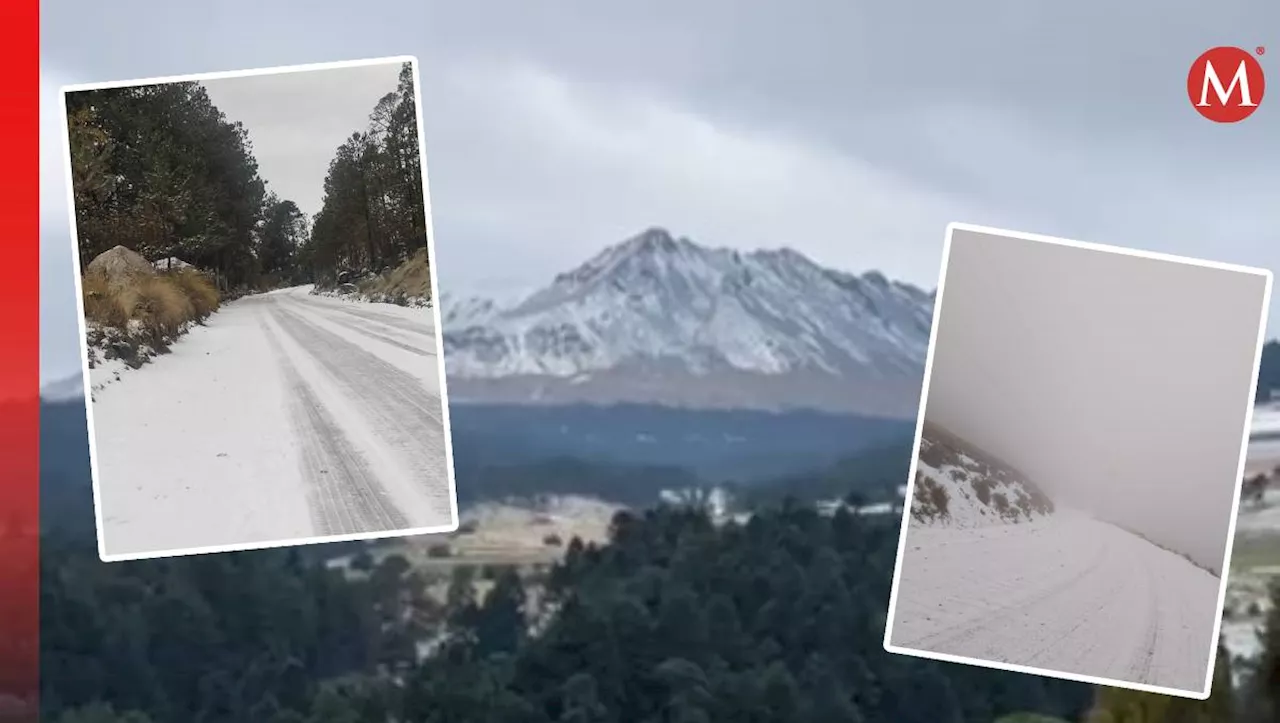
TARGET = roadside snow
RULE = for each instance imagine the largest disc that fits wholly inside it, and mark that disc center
(412, 302)
(185, 449)
(283, 418)
(1066, 593)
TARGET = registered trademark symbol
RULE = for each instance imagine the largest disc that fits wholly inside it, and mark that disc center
(1260, 50)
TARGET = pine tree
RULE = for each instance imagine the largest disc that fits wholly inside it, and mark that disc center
(500, 624)
(1264, 684)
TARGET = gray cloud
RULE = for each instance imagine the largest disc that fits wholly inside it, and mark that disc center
(1120, 384)
(852, 131)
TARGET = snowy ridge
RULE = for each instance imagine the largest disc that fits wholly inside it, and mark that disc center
(63, 390)
(958, 486)
(657, 312)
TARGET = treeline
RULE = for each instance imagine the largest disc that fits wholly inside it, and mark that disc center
(630, 485)
(675, 620)
(374, 213)
(1269, 370)
(160, 170)
(870, 476)
(230, 637)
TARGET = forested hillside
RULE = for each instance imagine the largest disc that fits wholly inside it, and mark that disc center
(779, 620)
(160, 170)
(1269, 370)
(675, 620)
(374, 215)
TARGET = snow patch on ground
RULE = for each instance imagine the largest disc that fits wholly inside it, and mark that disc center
(1244, 614)
(414, 302)
(112, 351)
(1266, 419)
(953, 488)
(1254, 560)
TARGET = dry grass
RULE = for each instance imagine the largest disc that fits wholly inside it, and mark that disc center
(409, 280)
(157, 305)
(198, 289)
(932, 500)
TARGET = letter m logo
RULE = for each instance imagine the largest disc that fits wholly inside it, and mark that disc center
(1226, 84)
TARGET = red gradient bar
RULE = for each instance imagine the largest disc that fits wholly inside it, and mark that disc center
(20, 361)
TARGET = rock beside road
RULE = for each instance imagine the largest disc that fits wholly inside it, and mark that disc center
(120, 266)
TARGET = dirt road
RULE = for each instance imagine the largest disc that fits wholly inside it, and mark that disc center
(288, 416)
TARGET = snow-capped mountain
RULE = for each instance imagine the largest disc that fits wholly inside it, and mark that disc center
(958, 485)
(62, 390)
(662, 320)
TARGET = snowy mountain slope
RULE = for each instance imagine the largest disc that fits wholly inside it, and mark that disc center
(657, 319)
(959, 486)
(61, 390)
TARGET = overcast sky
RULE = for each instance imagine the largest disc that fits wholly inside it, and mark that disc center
(296, 121)
(852, 131)
(1118, 384)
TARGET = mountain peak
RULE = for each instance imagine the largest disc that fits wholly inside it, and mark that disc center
(659, 315)
(650, 243)
(652, 239)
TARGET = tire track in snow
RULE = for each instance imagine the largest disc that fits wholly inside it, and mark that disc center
(377, 317)
(1140, 668)
(426, 349)
(345, 496)
(1135, 612)
(406, 415)
(1102, 599)
(952, 638)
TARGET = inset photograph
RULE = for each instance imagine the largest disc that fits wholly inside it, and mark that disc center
(261, 356)
(1078, 459)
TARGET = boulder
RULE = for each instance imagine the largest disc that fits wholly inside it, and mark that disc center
(120, 266)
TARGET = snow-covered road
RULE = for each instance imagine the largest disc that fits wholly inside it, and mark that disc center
(287, 416)
(1068, 593)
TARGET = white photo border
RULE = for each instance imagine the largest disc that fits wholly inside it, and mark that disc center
(453, 525)
(952, 228)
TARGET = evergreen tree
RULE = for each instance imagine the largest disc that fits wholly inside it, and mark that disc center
(374, 215)
(501, 622)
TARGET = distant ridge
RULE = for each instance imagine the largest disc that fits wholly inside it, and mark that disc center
(63, 390)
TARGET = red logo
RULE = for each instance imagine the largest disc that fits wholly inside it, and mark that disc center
(1226, 84)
